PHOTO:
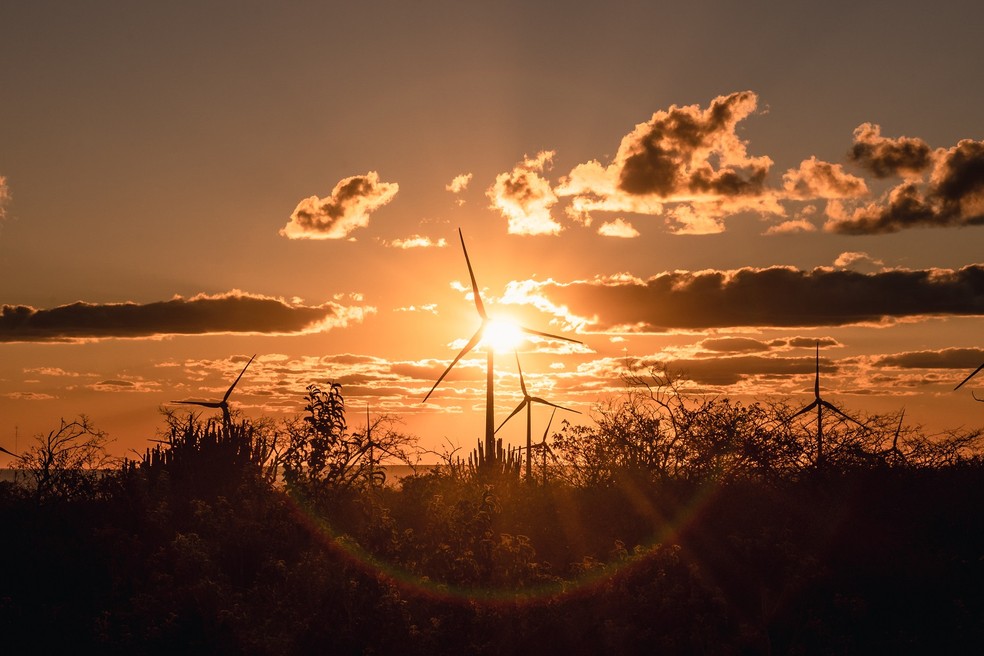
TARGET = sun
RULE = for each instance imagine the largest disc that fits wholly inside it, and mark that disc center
(502, 334)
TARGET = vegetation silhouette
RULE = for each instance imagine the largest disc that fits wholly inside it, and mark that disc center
(671, 524)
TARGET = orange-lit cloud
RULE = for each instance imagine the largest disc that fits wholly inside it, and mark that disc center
(233, 312)
(683, 154)
(885, 157)
(347, 208)
(818, 179)
(791, 227)
(4, 197)
(953, 196)
(950, 358)
(856, 260)
(416, 241)
(525, 197)
(775, 296)
(459, 183)
(618, 227)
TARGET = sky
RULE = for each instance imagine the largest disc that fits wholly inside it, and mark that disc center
(713, 187)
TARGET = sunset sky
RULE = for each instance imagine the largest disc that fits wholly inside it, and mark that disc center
(711, 185)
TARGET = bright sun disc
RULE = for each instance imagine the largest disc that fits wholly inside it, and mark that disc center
(502, 335)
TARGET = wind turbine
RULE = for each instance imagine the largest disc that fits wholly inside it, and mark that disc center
(820, 404)
(490, 451)
(545, 448)
(224, 403)
(893, 453)
(528, 402)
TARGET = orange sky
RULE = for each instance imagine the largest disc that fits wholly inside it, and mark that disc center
(714, 188)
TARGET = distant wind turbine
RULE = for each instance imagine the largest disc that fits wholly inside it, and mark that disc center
(528, 402)
(820, 404)
(893, 453)
(224, 403)
(545, 448)
(472, 343)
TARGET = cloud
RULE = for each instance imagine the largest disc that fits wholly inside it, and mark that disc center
(724, 371)
(524, 197)
(953, 196)
(734, 345)
(416, 241)
(682, 154)
(232, 312)
(775, 296)
(885, 157)
(791, 227)
(347, 208)
(856, 260)
(818, 179)
(459, 184)
(4, 197)
(29, 396)
(949, 358)
(618, 228)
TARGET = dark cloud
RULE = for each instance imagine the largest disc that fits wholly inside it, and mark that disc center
(672, 153)
(687, 156)
(347, 208)
(734, 345)
(776, 296)
(953, 196)
(234, 312)
(951, 358)
(886, 157)
(731, 370)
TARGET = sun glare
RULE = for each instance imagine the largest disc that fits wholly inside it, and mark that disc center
(502, 335)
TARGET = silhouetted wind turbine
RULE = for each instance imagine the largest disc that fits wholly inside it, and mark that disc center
(820, 404)
(528, 402)
(894, 452)
(472, 343)
(545, 448)
(224, 403)
(976, 371)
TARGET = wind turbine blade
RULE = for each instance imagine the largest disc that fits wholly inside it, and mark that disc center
(9, 453)
(537, 399)
(522, 404)
(816, 384)
(831, 406)
(547, 430)
(522, 382)
(236, 382)
(895, 440)
(530, 331)
(469, 346)
(471, 274)
(805, 410)
(976, 371)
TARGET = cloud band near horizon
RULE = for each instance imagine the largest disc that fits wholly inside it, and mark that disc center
(769, 297)
(232, 312)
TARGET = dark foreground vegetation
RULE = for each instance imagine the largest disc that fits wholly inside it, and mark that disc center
(671, 526)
